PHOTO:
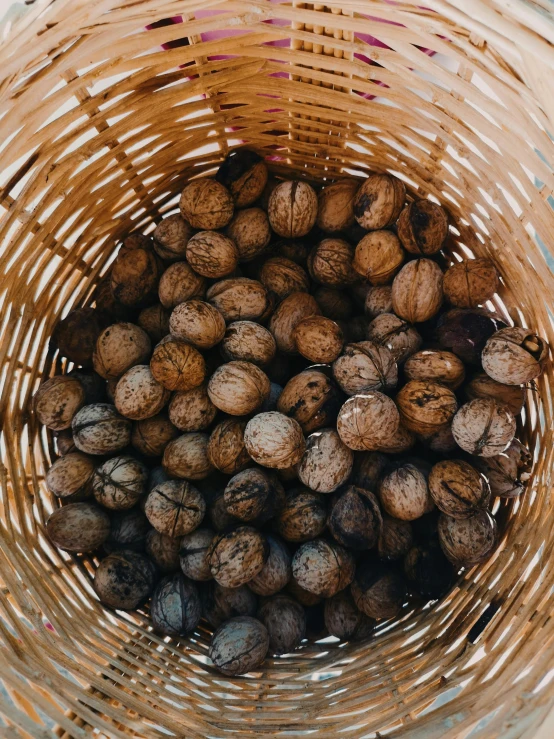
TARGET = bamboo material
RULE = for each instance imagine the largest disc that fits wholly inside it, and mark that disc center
(100, 128)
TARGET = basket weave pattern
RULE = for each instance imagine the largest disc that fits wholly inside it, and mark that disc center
(102, 122)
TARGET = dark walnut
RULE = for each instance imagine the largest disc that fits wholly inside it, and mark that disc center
(193, 554)
(302, 517)
(285, 621)
(244, 174)
(312, 399)
(428, 571)
(219, 604)
(75, 335)
(355, 520)
(335, 304)
(465, 332)
(422, 227)
(163, 551)
(396, 538)
(378, 590)
(276, 571)
(155, 321)
(253, 495)
(379, 200)
(124, 580)
(175, 609)
(458, 489)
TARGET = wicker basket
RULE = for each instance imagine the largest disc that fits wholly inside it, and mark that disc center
(102, 121)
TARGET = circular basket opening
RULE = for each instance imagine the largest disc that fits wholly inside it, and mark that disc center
(106, 111)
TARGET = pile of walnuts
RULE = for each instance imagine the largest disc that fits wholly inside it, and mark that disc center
(285, 416)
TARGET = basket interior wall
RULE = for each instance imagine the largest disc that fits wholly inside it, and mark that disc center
(103, 121)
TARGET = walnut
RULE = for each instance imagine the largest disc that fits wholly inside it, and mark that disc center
(239, 299)
(483, 386)
(335, 209)
(70, 477)
(378, 257)
(238, 556)
(368, 469)
(78, 527)
(507, 473)
(251, 233)
(175, 508)
(212, 254)
(175, 609)
(197, 322)
(220, 604)
(294, 249)
(365, 366)
(240, 645)
(333, 303)
(318, 339)
(398, 336)
(429, 572)
(57, 401)
(330, 263)
(276, 571)
(458, 489)
(435, 366)
(120, 347)
(343, 619)
(248, 341)
(163, 551)
(155, 321)
(465, 332)
(483, 427)
(467, 542)
(367, 421)
(151, 435)
(253, 495)
(292, 209)
(396, 538)
(514, 356)
(238, 388)
(285, 621)
(179, 283)
(417, 291)
(75, 335)
(220, 517)
(355, 519)
(193, 554)
(187, 457)
(245, 175)
(470, 283)
(206, 204)
(312, 399)
(124, 580)
(378, 590)
(283, 277)
(192, 410)
(302, 517)
(119, 483)
(139, 395)
(177, 365)
(422, 227)
(399, 442)
(107, 305)
(378, 300)
(426, 406)
(295, 308)
(100, 429)
(323, 567)
(128, 531)
(171, 238)
(274, 440)
(135, 275)
(379, 200)
(404, 493)
(327, 462)
(226, 450)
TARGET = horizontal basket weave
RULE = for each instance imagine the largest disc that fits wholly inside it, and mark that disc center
(102, 122)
